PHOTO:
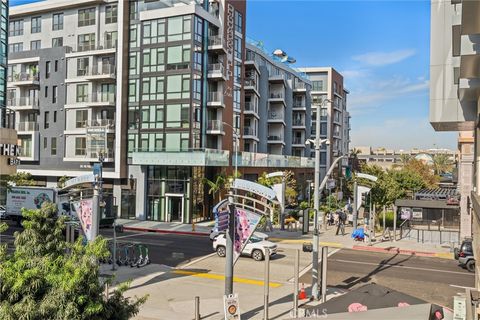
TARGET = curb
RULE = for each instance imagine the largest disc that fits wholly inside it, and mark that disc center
(188, 233)
(405, 252)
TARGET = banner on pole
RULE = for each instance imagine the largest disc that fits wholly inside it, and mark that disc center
(245, 224)
(221, 214)
(84, 209)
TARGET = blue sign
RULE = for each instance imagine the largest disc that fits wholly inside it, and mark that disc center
(97, 169)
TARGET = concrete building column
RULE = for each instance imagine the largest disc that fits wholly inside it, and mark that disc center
(139, 174)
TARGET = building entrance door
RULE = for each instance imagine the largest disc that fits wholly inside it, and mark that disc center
(174, 207)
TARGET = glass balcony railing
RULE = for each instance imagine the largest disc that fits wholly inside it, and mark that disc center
(215, 97)
(298, 122)
(27, 126)
(276, 115)
(249, 131)
(251, 106)
(22, 102)
(215, 125)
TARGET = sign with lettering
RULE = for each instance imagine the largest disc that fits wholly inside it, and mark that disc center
(79, 180)
(13, 161)
(255, 188)
(9, 150)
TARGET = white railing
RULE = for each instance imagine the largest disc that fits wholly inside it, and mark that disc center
(216, 67)
(104, 69)
(215, 97)
(251, 106)
(249, 131)
(22, 101)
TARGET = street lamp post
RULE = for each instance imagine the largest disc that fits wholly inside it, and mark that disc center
(231, 226)
(316, 196)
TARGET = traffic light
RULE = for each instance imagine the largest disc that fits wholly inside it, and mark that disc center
(348, 173)
(364, 199)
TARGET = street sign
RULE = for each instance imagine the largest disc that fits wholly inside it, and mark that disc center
(79, 180)
(330, 183)
(232, 308)
(13, 161)
(367, 176)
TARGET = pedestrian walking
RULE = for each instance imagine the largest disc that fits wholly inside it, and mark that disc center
(342, 218)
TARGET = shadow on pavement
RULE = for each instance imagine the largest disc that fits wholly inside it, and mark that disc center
(169, 275)
(382, 265)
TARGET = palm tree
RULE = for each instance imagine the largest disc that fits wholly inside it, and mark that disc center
(442, 163)
(216, 185)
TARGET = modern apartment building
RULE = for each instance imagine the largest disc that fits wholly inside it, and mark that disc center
(454, 83)
(163, 93)
(334, 118)
(465, 173)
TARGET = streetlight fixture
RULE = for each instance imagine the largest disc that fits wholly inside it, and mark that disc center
(317, 143)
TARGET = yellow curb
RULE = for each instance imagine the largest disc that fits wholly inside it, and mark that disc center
(220, 277)
(444, 255)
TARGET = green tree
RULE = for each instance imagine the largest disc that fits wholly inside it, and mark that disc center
(442, 163)
(62, 180)
(40, 280)
(216, 185)
(19, 179)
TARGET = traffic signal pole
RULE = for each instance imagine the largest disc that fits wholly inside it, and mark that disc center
(355, 196)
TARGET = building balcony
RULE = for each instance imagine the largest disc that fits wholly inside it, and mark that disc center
(26, 127)
(251, 85)
(298, 124)
(23, 103)
(215, 127)
(298, 142)
(94, 100)
(102, 73)
(275, 139)
(277, 78)
(251, 108)
(250, 133)
(276, 117)
(300, 87)
(216, 44)
(277, 97)
(29, 142)
(91, 155)
(250, 63)
(106, 45)
(23, 79)
(100, 126)
(216, 71)
(216, 99)
(299, 106)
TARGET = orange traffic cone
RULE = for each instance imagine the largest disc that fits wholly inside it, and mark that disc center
(302, 295)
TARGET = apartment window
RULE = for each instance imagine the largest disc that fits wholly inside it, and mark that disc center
(57, 21)
(133, 94)
(110, 14)
(81, 117)
(54, 95)
(15, 47)
(178, 57)
(86, 42)
(317, 85)
(45, 143)
(153, 60)
(111, 39)
(36, 24)
(53, 146)
(82, 92)
(46, 91)
(178, 87)
(54, 116)
(153, 31)
(55, 68)
(86, 17)
(80, 146)
(176, 141)
(323, 129)
(238, 22)
(82, 66)
(238, 47)
(46, 124)
(323, 158)
(178, 116)
(152, 117)
(198, 26)
(153, 88)
(57, 42)
(35, 45)
(108, 92)
(15, 28)
(179, 28)
(47, 69)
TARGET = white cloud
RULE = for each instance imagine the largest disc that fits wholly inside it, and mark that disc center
(384, 58)
(354, 73)
(402, 133)
(376, 92)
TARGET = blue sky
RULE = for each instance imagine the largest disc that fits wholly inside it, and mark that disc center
(381, 47)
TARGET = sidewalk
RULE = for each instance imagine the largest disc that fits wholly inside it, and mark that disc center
(327, 238)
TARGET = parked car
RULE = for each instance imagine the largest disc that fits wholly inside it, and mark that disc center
(3, 213)
(214, 234)
(255, 247)
(464, 255)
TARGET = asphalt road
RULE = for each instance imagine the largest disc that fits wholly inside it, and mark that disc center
(431, 279)
(168, 249)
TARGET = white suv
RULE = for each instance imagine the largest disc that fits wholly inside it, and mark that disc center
(255, 247)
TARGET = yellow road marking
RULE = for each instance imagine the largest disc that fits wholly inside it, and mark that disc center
(444, 255)
(221, 277)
